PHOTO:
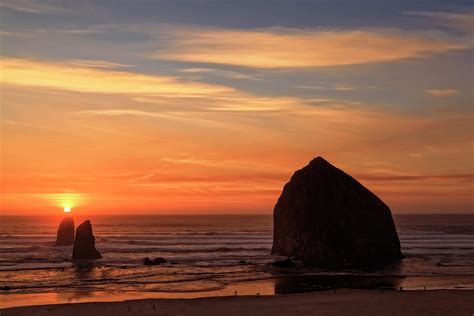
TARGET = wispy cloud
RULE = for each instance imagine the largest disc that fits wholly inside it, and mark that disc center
(235, 101)
(293, 48)
(91, 79)
(335, 87)
(94, 63)
(223, 73)
(82, 31)
(30, 6)
(7, 33)
(458, 21)
(415, 177)
(177, 116)
(47, 33)
(120, 112)
(110, 131)
(442, 93)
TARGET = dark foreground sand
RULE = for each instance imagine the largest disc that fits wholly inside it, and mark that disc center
(342, 302)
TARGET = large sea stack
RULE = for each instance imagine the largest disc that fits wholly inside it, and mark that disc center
(65, 236)
(84, 243)
(326, 218)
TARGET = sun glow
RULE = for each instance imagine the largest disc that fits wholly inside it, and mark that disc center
(67, 210)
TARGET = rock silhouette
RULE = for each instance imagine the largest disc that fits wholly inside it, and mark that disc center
(65, 236)
(153, 262)
(326, 218)
(84, 243)
(287, 263)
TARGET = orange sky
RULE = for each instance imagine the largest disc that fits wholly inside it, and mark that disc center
(187, 135)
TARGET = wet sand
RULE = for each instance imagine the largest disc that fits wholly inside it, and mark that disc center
(340, 302)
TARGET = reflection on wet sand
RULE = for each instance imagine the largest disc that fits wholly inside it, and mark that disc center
(310, 283)
(83, 271)
(77, 296)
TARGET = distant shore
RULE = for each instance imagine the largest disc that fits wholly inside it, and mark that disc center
(340, 302)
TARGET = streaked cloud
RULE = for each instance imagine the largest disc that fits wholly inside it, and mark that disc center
(294, 48)
(234, 101)
(45, 34)
(87, 79)
(223, 73)
(30, 6)
(334, 87)
(176, 116)
(415, 177)
(7, 33)
(442, 93)
(94, 63)
(454, 20)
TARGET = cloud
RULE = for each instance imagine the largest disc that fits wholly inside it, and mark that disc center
(80, 78)
(335, 87)
(294, 48)
(7, 33)
(223, 73)
(82, 31)
(183, 117)
(110, 131)
(121, 112)
(458, 21)
(235, 101)
(442, 93)
(94, 63)
(415, 177)
(48, 33)
(30, 6)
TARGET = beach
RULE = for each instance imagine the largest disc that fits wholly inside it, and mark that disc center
(339, 302)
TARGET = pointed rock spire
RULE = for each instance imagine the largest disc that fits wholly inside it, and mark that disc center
(84, 243)
(65, 235)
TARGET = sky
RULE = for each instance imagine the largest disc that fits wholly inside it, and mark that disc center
(193, 107)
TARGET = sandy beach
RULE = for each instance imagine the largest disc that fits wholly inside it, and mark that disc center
(340, 302)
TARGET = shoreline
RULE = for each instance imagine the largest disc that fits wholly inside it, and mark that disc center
(268, 286)
(339, 302)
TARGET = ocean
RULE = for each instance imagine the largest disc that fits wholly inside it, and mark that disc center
(211, 255)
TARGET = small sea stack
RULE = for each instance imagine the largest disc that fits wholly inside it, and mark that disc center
(84, 243)
(326, 218)
(65, 236)
(153, 262)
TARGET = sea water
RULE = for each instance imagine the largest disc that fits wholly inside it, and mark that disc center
(213, 254)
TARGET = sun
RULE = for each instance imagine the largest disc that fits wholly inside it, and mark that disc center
(67, 210)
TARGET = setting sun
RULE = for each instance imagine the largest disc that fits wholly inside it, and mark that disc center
(67, 210)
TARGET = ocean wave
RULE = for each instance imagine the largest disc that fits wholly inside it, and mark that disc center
(26, 236)
(183, 250)
(435, 236)
(453, 247)
(189, 243)
(182, 238)
(20, 249)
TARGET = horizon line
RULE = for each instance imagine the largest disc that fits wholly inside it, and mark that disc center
(204, 214)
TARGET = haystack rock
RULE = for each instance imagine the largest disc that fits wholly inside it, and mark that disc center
(84, 243)
(326, 218)
(65, 236)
